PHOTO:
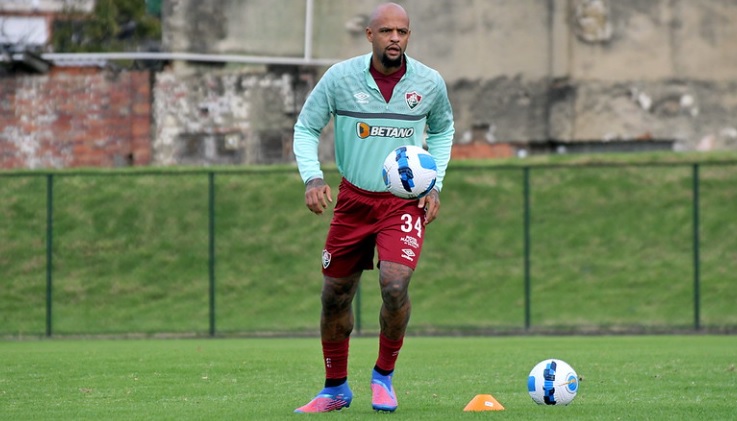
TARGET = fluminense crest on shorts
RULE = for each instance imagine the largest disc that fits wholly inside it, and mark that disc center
(413, 99)
(326, 256)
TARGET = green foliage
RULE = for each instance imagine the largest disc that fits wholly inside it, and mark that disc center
(113, 26)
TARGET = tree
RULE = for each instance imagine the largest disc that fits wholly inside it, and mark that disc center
(113, 26)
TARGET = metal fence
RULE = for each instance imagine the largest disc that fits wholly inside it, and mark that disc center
(520, 248)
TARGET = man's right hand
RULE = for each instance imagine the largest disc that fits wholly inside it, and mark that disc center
(317, 195)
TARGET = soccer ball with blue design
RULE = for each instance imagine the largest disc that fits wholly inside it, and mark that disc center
(410, 172)
(552, 382)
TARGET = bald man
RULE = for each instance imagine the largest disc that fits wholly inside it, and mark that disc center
(376, 93)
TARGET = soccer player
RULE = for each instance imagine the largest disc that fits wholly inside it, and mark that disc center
(379, 101)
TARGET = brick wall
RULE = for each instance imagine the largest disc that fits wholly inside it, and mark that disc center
(75, 117)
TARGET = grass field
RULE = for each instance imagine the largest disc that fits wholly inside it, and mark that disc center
(611, 250)
(613, 242)
(623, 377)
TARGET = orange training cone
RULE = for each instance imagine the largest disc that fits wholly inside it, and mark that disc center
(484, 403)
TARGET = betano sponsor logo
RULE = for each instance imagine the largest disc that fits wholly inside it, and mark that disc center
(363, 130)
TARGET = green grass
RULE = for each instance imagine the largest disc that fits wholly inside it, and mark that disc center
(611, 248)
(623, 377)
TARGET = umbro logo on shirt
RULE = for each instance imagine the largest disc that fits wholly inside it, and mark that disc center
(361, 97)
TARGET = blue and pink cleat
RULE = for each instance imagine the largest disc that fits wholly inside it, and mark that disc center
(383, 397)
(336, 398)
(329, 399)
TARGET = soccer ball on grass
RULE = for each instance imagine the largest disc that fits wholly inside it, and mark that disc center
(410, 172)
(552, 382)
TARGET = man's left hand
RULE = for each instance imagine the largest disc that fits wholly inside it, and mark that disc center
(431, 203)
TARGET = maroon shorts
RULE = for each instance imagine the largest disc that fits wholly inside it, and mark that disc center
(364, 220)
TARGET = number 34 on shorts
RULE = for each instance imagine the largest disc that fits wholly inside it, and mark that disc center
(412, 223)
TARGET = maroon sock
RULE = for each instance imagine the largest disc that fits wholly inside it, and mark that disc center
(335, 358)
(388, 353)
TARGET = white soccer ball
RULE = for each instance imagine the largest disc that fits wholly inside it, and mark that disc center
(552, 382)
(410, 172)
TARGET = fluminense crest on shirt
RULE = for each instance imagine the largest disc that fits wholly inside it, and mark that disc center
(413, 99)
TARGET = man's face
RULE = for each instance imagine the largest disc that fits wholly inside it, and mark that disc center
(389, 35)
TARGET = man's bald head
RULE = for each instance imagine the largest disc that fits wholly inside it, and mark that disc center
(384, 9)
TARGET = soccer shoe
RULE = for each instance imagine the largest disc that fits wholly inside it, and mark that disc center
(329, 399)
(382, 393)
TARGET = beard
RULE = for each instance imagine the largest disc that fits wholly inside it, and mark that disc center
(389, 63)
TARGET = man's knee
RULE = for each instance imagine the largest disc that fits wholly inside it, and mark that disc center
(394, 279)
(394, 289)
(338, 293)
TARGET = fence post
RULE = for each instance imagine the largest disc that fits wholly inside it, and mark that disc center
(211, 247)
(526, 201)
(696, 245)
(49, 249)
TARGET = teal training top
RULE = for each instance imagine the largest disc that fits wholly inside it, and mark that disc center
(367, 128)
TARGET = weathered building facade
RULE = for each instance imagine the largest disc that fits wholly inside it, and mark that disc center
(524, 72)
(518, 72)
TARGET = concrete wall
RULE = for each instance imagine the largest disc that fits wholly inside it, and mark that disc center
(223, 117)
(45, 5)
(525, 71)
(471, 39)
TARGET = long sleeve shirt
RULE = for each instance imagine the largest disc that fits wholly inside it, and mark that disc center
(367, 127)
